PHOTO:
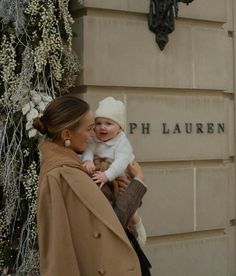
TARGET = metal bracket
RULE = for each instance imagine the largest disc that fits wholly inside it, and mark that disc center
(161, 18)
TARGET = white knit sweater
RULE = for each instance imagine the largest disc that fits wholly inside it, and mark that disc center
(118, 150)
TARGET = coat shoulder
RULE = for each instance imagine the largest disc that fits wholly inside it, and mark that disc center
(67, 170)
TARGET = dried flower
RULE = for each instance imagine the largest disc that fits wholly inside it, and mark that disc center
(36, 65)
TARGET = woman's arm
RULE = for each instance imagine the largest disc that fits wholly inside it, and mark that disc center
(135, 170)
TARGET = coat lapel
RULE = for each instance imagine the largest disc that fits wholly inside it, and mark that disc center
(92, 197)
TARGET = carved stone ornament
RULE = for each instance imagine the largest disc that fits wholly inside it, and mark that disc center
(161, 18)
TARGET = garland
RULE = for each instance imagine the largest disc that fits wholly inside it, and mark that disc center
(37, 64)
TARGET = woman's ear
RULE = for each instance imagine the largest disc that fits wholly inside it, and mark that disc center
(65, 134)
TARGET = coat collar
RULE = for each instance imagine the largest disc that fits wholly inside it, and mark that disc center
(54, 155)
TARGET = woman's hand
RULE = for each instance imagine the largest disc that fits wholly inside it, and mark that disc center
(135, 170)
(99, 178)
(123, 183)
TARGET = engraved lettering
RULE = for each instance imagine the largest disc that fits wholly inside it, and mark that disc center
(145, 128)
(188, 127)
(177, 129)
(164, 129)
(199, 128)
(210, 128)
(132, 127)
(221, 127)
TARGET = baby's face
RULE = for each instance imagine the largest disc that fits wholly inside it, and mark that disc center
(106, 129)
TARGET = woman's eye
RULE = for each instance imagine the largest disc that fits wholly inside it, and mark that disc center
(91, 127)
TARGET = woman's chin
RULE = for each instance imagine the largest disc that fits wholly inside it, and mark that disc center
(81, 150)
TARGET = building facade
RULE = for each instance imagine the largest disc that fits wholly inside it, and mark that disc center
(180, 121)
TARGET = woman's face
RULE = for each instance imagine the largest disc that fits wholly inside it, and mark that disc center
(79, 137)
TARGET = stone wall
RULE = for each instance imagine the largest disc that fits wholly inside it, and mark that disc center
(180, 120)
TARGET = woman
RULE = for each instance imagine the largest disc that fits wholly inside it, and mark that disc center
(79, 232)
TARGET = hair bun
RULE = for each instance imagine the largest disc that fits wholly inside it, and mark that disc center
(39, 125)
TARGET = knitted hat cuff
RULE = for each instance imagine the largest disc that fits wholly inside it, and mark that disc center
(113, 109)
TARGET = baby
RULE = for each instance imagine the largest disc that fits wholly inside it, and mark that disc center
(111, 145)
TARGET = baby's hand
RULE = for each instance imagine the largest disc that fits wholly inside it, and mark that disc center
(89, 166)
(100, 178)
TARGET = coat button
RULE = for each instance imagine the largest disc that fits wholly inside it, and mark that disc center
(97, 235)
(101, 271)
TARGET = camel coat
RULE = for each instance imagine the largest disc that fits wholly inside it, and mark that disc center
(79, 233)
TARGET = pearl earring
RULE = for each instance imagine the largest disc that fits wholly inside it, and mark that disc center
(67, 143)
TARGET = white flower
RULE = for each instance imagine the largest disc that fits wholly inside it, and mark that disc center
(47, 98)
(36, 98)
(41, 106)
(26, 152)
(33, 92)
(32, 114)
(26, 108)
(32, 132)
(29, 125)
(32, 105)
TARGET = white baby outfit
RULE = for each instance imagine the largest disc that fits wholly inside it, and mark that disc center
(118, 150)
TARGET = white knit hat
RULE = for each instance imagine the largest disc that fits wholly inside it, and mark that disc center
(112, 109)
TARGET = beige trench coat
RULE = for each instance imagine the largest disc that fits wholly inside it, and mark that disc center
(79, 233)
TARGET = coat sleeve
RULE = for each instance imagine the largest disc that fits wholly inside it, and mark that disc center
(128, 202)
(57, 256)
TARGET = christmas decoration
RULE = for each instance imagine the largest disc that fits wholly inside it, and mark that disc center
(36, 65)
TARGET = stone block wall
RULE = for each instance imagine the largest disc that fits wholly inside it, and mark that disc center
(180, 121)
